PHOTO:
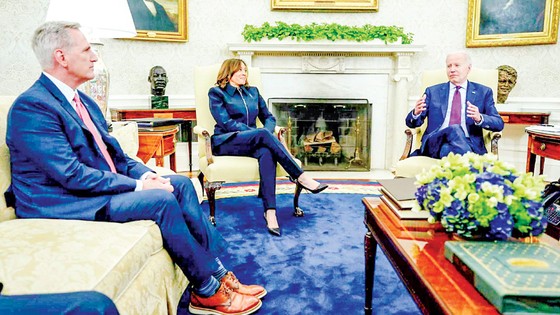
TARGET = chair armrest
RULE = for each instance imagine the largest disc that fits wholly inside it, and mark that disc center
(494, 144)
(408, 146)
(204, 134)
(281, 134)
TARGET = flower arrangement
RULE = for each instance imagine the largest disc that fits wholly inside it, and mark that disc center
(478, 196)
(332, 32)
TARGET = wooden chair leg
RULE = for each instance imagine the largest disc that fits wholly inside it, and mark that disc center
(201, 180)
(298, 212)
(211, 188)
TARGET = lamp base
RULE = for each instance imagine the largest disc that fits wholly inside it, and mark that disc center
(98, 87)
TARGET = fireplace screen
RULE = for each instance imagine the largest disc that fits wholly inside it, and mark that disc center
(326, 134)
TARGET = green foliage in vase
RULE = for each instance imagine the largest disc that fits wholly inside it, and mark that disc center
(332, 31)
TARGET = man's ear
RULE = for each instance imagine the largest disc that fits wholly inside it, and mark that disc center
(60, 58)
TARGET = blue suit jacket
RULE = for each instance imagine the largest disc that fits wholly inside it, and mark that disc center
(234, 113)
(437, 97)
(57, 169)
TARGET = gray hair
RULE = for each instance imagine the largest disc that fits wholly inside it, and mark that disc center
(461, 52)
(51, 36)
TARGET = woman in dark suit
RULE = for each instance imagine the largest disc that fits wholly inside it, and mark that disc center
(236, 106)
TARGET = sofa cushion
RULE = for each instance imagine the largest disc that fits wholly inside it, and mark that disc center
(50, 256)
(6, 213)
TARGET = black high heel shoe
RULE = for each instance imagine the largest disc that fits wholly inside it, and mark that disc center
(317, 190)
(273, 231)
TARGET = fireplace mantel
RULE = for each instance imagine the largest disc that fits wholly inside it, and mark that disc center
(322, 47)
(388, 67)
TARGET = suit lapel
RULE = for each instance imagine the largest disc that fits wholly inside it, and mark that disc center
(55, 92)
(444, 97)
(472, 93)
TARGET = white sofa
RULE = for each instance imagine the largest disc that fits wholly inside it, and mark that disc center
(126, 262)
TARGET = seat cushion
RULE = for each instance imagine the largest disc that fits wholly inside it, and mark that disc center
(50, 256)
(412, 166)
(233, 169)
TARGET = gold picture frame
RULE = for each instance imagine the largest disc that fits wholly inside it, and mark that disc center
(493, 23)
(168, 24)
(326, 5)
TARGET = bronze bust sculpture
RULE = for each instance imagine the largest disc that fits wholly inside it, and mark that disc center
(158, 79)
(507, 78)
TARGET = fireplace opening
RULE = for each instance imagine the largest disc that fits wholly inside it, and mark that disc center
(326, 134)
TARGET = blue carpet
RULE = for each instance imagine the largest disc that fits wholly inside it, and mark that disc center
(317, 265)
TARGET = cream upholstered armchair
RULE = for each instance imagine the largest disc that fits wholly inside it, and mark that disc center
(216, 170)
(410, 166)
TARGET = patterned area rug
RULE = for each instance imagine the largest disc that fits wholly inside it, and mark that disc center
(317, 265)
(284, 186)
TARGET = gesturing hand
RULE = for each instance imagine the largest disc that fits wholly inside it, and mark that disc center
(472, 112)
(420, 105)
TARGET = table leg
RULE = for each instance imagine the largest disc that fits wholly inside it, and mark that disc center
(531, 158)
(541, 166)
(172, 162)
(159, 161)
(189, 142)
(370, 249)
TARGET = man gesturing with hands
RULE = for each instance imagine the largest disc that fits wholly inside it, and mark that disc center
(457, 112)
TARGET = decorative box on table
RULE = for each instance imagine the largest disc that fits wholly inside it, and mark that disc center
(517, 278)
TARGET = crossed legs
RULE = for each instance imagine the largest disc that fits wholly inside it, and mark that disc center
(269, 151)
(445, 141)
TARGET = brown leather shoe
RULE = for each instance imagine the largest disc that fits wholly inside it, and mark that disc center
(233, 283)
(224, 302)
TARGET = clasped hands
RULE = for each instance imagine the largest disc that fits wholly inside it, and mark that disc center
(154, 181)
(472, 111)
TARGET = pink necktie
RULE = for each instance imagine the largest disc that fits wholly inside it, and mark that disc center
(455, 108)
(84, 115)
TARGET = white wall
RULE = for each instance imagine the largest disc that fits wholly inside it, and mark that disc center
(213, 23)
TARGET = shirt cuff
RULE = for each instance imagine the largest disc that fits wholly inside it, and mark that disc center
(139, 184)
(145, 175)
(480, 122)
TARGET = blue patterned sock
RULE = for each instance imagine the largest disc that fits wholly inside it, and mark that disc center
(208, 288)
(221, 272)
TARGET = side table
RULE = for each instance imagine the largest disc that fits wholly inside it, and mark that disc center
(188, 114)
(525, 118)
(543, 144)
(157, 144)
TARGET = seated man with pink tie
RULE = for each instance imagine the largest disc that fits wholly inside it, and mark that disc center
(457, 112)
(66, 165)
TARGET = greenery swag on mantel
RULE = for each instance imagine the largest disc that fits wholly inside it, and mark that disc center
(332, 32)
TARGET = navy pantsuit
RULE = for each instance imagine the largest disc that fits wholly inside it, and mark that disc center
(59, 172)
(437, 141)
(236, 133)
(265, 147)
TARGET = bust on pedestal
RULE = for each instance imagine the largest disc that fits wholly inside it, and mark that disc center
(158, 79)
(507, 78)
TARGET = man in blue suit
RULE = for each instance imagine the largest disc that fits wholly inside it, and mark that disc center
(65, 165)
(457, 112)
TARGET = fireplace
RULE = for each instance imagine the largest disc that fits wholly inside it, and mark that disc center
(377, 73)
(326, 134)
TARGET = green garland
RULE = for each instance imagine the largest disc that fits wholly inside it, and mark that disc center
(333, 32)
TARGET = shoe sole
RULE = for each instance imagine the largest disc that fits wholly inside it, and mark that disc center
(205, 311)
(263, 293)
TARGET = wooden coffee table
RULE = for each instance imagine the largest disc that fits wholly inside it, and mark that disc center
(415, 249)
